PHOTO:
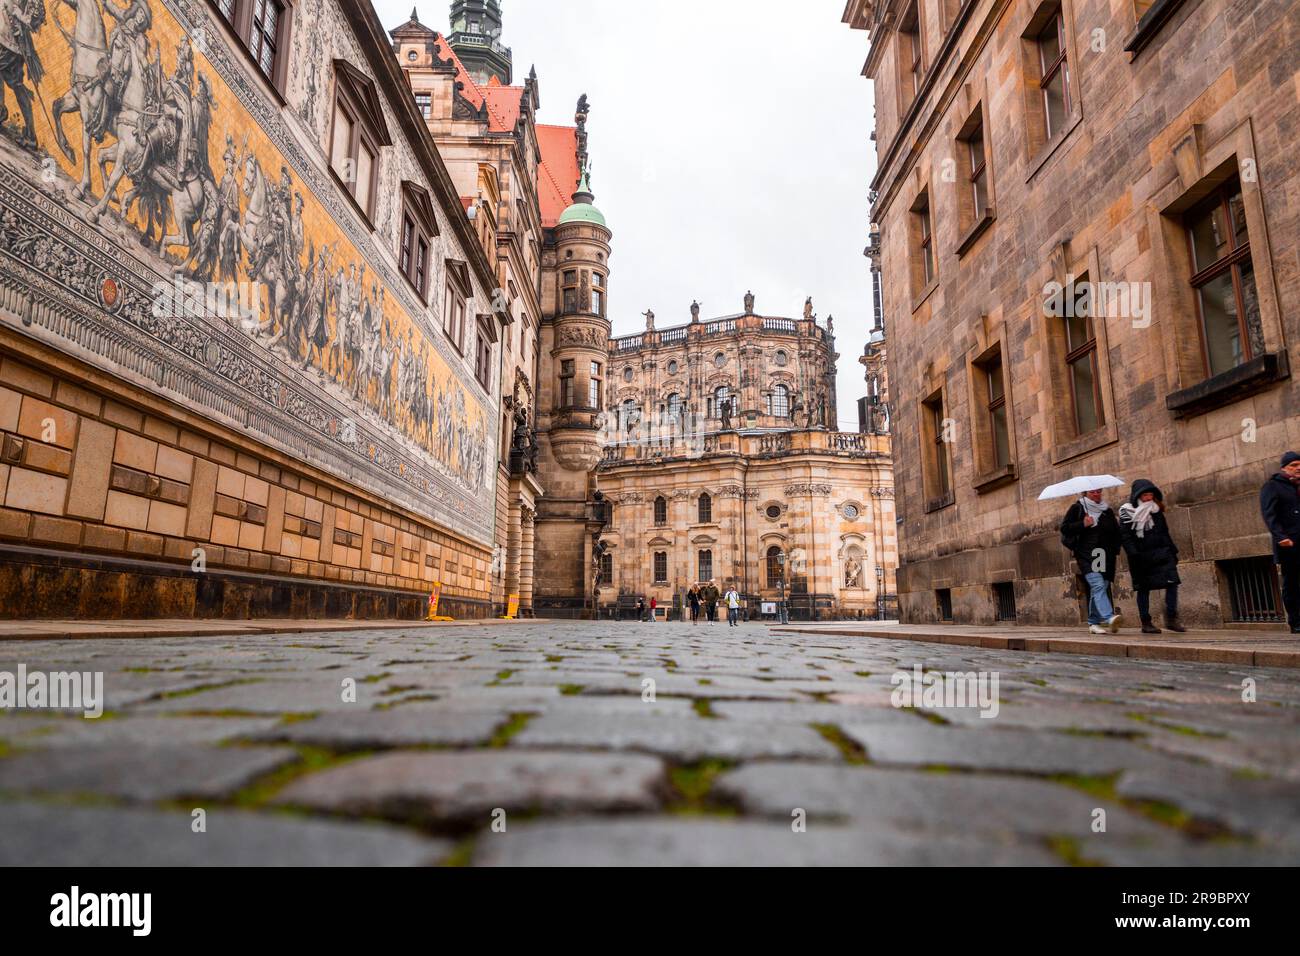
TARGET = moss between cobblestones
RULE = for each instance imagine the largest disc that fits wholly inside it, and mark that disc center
(462, 854)
(862, 673)
(1167, 814)
(260, 791)
(190, 692)
(1068, 849)
(1154, 721)
(704, 707)
(852, 751)
(502, 735)
(929, 715)
(571, 690)
(691, 786)
(703, 681)
(553, 658)
(501, 675)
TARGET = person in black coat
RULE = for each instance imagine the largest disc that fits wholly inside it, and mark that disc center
(1091, 531)
(1279, 503)
(1152, 553)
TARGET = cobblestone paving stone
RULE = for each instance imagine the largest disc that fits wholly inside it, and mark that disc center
(592, 743)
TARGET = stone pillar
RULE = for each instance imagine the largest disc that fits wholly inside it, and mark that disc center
(513, 544)
(526, 539)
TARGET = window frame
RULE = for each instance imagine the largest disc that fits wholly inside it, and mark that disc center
(1048, 72)
(659, 567)
(1229, 264)
(567, 377)
(240, 22)
(704, 508)
(1089, 350)
(660, 511)
(701, 556)
(456, 304)
(418, 223)
(355, 94)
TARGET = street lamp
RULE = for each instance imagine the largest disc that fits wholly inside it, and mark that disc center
(880, 592)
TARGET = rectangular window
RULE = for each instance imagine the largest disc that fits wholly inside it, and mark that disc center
(1000, 442)
(606, 569)
(661, 567)
(352, 154)
(453, 320)
(593, 387)
(1004, 601)
(1054, 76)
(263, 30)
(910, 52)
(977, 172)
(1081, 361)
(943, 603)
(424, 103)
(1223, 279)
(570, 292)
(923, 243)
(264, 34)
(937, 434)
(566, 383)
(483, 359)
(705, 566)
(1253, 590)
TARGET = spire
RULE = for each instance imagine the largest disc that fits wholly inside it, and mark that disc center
(584, 193)
(415, 15)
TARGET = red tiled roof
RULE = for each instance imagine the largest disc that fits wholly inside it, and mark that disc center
(558, 175)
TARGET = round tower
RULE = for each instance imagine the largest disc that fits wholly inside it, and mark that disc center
(582, 328)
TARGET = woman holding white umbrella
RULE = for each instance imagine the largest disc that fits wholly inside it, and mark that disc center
(1092, 533)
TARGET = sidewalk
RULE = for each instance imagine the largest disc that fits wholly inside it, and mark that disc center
(185, 627)
(1252, 648)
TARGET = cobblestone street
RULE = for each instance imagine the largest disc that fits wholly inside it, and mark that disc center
(535, 743)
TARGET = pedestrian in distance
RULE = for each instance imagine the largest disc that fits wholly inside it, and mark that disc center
(640, 609)
(1279, 503)
(710, 596)
(1152, 553)
(733, 607)
(1091, 532)
(654, 603)
(693, 599)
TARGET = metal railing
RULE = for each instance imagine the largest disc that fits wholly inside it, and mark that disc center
(1253, 590)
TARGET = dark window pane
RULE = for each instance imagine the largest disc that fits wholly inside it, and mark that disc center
(1223, 344)
(1209, 235)
(1082, 378)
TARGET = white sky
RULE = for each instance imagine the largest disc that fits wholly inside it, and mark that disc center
(730, 151)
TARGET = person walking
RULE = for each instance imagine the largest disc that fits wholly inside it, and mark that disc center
(1279, 503)
(693, 599)
(640, 609)
(733, 607)
(711, 602)
(1152, 553)
(654, 603)
(1091, 531)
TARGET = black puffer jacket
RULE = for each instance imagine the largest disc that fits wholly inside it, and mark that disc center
(1279, 502)
(1152, 557)
(1084, 542)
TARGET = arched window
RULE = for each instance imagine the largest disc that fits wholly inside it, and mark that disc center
(706, 509)
(661, 510)
(778, 402)
(706, 566)
(721, 395)
(775, 569)
(661, 567)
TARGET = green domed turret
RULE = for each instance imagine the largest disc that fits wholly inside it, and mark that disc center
(582, 210)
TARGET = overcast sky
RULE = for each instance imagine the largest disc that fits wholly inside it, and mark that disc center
(730, 151)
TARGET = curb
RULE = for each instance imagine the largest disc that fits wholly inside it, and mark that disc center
(1184, 652)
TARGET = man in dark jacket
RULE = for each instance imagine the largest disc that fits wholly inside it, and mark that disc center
(1091, 532)
(1279, 502)
(1152, 553)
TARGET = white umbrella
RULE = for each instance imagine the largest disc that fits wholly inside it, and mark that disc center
(1073, 487)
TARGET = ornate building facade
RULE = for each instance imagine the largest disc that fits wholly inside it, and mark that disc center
(1088, 235)
(228, 380)
(720, 461)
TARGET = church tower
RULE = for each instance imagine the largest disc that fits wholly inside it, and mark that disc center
(476, 37)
